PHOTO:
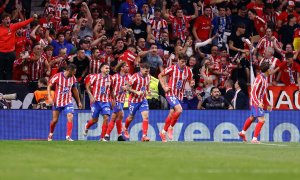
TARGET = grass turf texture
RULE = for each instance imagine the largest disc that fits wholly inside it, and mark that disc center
(153, 160)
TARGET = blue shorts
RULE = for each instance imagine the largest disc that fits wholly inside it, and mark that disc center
(173, 101)
(118, 107)
(257, 112)
(102, 108)
(69, 108)
(142, 106)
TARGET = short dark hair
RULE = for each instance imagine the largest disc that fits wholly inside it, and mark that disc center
(264, 66)
(253, 11)
(289, 55)
(212, 89)
(43, 81)
(94, 50)
(182, 56)
(49, 48)
(103, 64)
(119, 66)
(145, 65)
(71, 67)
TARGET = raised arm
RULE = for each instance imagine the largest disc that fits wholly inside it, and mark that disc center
(88, 15)
(33, 32)
(164, 11)
(196, 11)
(23, 23)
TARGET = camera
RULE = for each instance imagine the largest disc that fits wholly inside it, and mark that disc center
(5, 100)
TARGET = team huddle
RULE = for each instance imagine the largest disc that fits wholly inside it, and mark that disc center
(107, 96)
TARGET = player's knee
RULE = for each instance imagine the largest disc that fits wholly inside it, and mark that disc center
(70, 116)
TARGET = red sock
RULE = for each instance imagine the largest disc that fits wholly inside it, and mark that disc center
(258, 127)
(167, 123)
(127, 123)
(145, 126)
(52, 126)
(110, 127)
(69, 128)
(104, 128)
(119, 126)
(247, 124)
(175, 118)
(89, 124)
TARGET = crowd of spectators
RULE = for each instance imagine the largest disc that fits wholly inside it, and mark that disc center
(222, 39)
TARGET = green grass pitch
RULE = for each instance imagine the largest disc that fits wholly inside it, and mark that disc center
(153, 160)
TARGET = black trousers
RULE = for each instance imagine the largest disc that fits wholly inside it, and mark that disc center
(6, 65)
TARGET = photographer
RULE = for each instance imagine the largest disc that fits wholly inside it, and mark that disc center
(40, 99)
(3, 103)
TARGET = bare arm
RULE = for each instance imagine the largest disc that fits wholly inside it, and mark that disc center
(32, 34)
(88, 15)
(195, 33)
(49, 93)
(143, 53)
(88, 90)
(164, 13)
(48, 36)
(196, 11)
(76, 95)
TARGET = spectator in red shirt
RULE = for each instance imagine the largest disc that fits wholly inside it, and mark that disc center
(283, 17)
(202, 26)
(7, 48)
(260, 24)
(258, 6)
(289, 70)
(179, 23)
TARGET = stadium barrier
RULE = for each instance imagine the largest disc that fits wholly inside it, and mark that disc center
(218, 126)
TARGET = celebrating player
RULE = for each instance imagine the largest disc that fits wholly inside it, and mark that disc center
(64, 86)
(100, 98)
(119, 82)
(178, 74)
(258, 92)
(138, 87)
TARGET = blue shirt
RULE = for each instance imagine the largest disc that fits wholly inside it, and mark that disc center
(128, 11)
(57, 46)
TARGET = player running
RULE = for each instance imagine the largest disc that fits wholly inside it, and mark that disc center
(178, 75)
(138, 88)
(100, 98)
(119, 82)
(64, 83)
(258, 91)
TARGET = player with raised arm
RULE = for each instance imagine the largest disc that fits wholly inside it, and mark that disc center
(178, 75)
(139, 86)
(64, 83)
(258, 91)
(100, 98)
(120, 83)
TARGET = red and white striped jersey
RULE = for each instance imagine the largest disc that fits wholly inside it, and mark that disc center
(37, 68)
(128, 57)
(180, 26)
(95, 64)
(157, 26)
(274, 63)
(139, 83)
(101, 87)
(63, 87)
(177, 80)
(107, 58)
(259, 89)
(117, 82)
(265, 42)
